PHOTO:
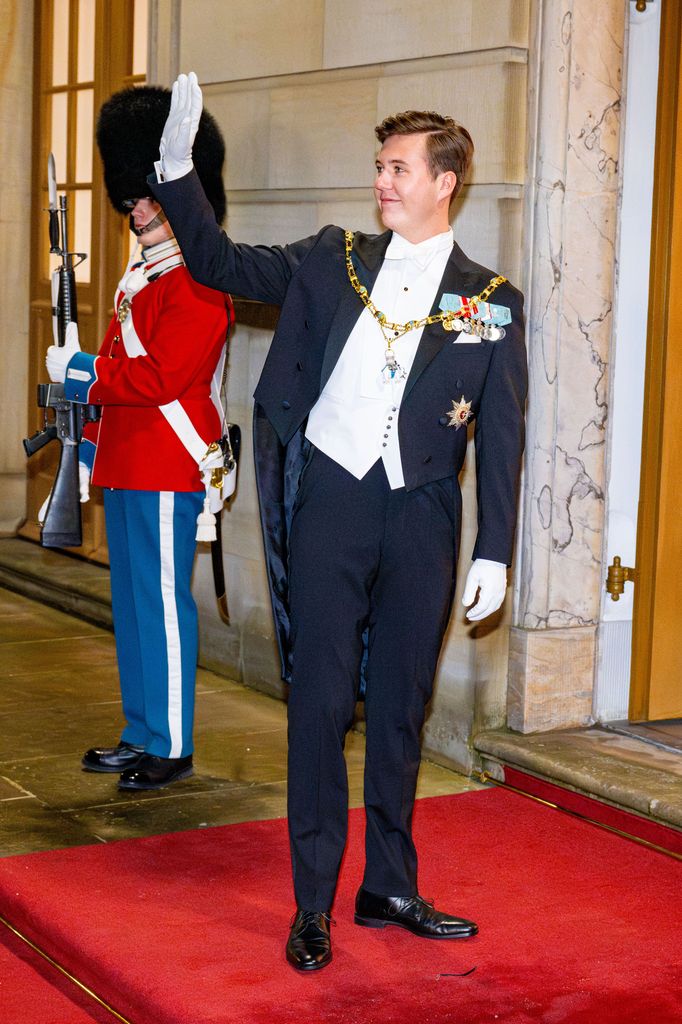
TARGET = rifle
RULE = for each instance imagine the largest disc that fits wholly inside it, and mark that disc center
(62, 526)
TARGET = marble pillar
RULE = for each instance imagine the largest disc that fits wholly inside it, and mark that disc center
(571, 220)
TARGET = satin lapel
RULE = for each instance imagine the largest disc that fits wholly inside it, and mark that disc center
(369, 252)
(456, 280)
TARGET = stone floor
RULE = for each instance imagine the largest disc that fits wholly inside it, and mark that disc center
(666, 734)
(59, 695)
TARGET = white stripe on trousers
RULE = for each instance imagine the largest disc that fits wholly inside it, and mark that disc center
(170, 621)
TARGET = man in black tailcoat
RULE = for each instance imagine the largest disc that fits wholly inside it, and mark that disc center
(386, 347)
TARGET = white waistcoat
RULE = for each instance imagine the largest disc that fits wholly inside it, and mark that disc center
(355, 419)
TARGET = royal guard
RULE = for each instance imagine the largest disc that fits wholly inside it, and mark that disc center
(156, 378)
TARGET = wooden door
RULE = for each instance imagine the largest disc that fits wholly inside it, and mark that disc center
(84, 51)
(656, 686)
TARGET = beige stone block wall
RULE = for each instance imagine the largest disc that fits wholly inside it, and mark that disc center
(298, 89)
(356, 32)
(225, 40)
(317, 130)
(16, 88)
(550, 678)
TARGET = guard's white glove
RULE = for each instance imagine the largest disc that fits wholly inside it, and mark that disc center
(84, 482)
(42, 511)
(490, 580)
(83, 487)
(58, 357)
(175, 147)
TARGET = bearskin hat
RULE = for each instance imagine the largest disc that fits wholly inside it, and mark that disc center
(129, 129)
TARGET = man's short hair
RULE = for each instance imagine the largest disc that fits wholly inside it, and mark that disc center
(449, 147)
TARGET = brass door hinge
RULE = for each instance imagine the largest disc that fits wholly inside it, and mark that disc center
(640, 5)
(618, 575)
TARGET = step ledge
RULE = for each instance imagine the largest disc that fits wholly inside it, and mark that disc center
(80, 603)
(506, 749)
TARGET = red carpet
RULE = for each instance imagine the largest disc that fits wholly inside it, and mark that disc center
(588, 807)
(578, 926)
(32, 992)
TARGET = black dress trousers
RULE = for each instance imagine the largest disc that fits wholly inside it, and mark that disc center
(363, 558)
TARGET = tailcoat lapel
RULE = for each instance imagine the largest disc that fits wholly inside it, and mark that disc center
(368, 251)
(461, 277)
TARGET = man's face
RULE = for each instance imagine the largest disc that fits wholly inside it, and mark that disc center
(143, 212)
(411, 201)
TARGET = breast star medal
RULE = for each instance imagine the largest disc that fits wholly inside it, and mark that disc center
(460, 413)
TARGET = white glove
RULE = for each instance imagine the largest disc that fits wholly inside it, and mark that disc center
(84, 482)
(83, 486)
(490, 580)
(42, 511)
(175, 147)
(57, 358)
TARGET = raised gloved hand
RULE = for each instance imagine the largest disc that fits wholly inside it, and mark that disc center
(175, 147)
(490, 580)
(58, 357)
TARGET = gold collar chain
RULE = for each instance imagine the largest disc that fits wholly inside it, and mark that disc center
(391, 331)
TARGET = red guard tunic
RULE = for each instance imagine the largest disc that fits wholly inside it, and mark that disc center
(183, 327)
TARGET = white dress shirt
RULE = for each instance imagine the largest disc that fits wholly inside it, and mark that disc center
(355, 419)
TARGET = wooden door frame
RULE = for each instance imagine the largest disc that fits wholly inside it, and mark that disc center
(108, 248)
(668, 151)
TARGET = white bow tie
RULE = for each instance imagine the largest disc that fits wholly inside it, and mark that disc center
(420, 253)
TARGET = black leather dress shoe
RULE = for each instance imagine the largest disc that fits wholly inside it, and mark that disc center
(111, 759)
(152, 772)
(310, 946)
(419, 916)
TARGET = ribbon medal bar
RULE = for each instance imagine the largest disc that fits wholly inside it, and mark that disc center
(474, 316)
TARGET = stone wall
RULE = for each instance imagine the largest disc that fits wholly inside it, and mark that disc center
(298, 89)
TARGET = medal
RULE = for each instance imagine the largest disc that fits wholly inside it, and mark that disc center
(392, 370)
(452, 308)
(460, 413)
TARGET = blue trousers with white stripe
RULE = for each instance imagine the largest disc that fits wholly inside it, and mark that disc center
(151, 537)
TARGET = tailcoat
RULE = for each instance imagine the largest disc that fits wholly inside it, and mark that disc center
(319, 308)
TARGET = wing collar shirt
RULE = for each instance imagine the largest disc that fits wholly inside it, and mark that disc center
(355, 419)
